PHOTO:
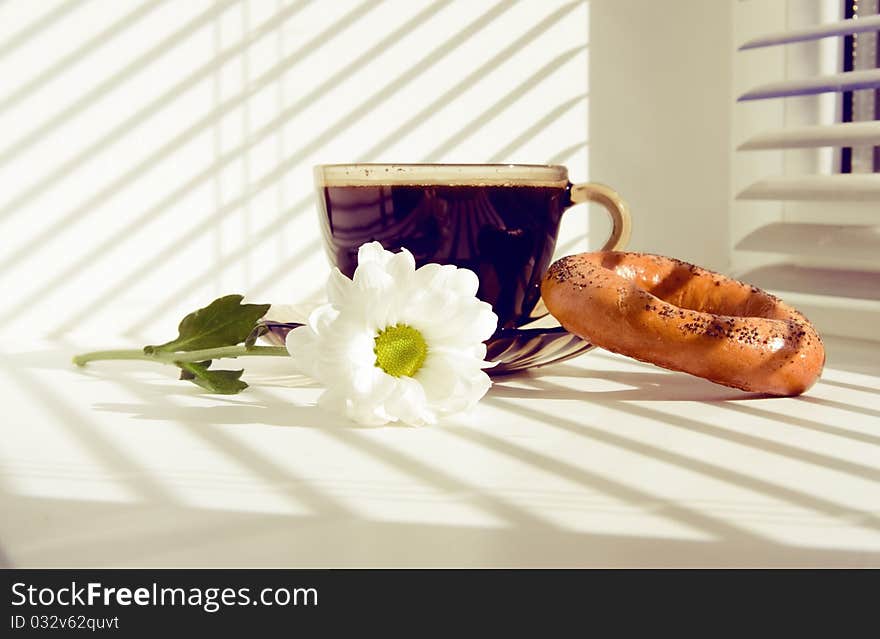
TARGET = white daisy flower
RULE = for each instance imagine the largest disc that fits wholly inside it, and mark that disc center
(396, 343)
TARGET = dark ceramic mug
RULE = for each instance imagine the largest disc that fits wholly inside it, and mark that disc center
(499, 220)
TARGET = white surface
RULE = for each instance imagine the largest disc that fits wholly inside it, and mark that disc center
(601, 461)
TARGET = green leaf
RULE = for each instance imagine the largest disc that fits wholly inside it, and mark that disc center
(222, 382)
(189, 375)
(224, 322)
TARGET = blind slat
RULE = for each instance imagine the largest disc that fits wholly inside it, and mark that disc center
(844, 27)
(838, 82)
(841, 243)
(849, 134)
(852, 284)
(851, 187)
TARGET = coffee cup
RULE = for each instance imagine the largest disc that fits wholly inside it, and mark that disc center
(499, 220)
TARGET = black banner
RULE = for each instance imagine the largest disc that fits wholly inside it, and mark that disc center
(129, 602)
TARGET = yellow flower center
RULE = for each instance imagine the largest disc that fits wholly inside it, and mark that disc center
(400, 350)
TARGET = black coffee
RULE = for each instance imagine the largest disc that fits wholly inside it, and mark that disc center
(505, 234)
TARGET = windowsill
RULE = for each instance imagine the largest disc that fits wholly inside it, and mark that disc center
(600, 461)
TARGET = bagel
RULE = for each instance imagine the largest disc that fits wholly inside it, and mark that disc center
(685, 318)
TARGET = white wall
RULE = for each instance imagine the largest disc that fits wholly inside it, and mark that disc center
(156, 154)
(660, 103)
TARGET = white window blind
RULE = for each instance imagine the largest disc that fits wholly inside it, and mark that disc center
(804, 229)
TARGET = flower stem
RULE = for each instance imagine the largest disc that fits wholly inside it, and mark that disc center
(183, 356)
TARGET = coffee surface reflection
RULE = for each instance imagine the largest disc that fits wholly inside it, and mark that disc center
(506, 234)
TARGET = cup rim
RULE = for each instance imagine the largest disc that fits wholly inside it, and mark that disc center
(435, 174)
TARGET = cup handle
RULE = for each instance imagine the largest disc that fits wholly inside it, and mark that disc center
(620, 220)
(613, 203)
(620, 233)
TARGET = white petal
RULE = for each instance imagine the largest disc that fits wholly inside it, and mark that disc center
(369, 416)
(372, 278)
(301, 344)
(373, 253)
(477, 387)
(301, 337)
(464, 282)
(339, 288)
(433, 276)
(453, 383)
(409, 404)
(359, 349)
(364, 412)
(372, 385)
(485, 323)
(468, 325)
(322, 317)
(447, 277)
(363, 380)
(438, 377)
(402, 267)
